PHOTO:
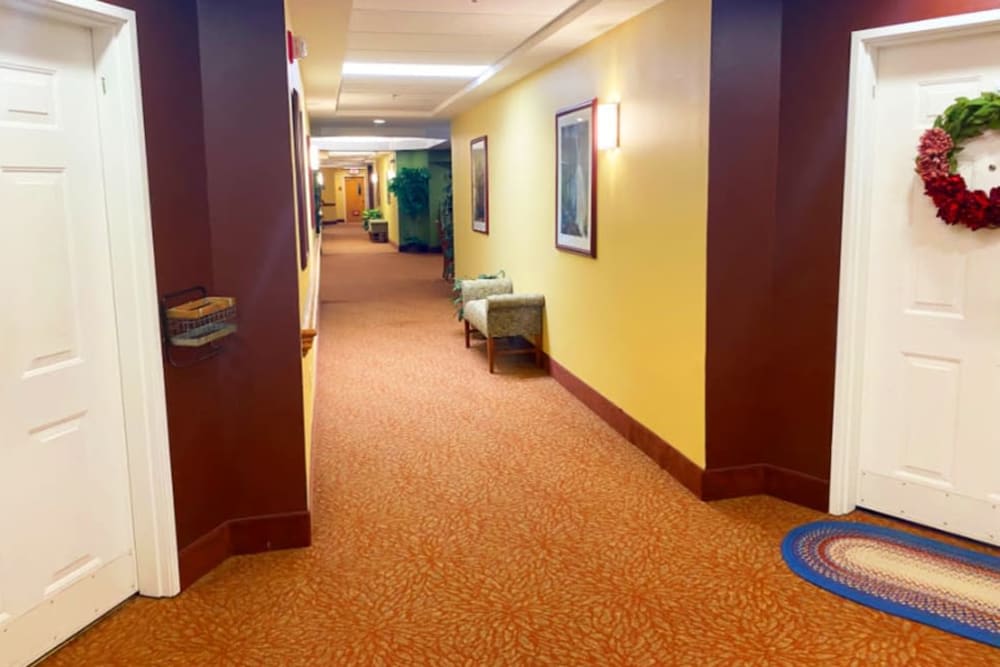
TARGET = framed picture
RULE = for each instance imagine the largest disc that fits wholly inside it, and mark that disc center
(480, 185)
(576, 179)
(302, 185)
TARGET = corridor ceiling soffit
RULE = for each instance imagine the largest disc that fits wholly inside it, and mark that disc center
(508, 39)
(323, 26)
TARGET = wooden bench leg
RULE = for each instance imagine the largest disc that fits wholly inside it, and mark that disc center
(466, 333)
(490, 351)
(538, 347)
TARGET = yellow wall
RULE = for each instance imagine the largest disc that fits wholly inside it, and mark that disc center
(308, 277)
(630, 323)
(390, 211)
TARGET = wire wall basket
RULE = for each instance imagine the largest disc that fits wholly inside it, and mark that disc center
(199, 323)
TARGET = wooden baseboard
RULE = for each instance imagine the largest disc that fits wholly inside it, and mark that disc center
(655, 447)
(237, 537)
(790, 485)
(713, 484)
(798, 488)
(204, 555)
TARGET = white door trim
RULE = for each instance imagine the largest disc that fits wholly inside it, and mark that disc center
(123, 146)
(854, 261)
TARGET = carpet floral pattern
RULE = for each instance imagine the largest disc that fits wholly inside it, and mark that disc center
(468, 519)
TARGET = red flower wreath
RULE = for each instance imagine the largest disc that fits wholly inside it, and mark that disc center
(937, 166)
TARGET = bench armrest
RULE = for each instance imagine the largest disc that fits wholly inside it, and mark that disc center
(508, 301)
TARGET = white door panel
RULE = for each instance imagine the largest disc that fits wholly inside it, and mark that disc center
(66, 545)
(930, 442)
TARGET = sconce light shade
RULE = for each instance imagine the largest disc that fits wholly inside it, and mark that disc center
(314, 161)
(319, 178)
(374, 178)
(607, 126)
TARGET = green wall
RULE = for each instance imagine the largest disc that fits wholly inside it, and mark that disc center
(440, 166)
(413, 229)
(423, 229)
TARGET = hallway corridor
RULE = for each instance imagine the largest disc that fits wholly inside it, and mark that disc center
(468, 519)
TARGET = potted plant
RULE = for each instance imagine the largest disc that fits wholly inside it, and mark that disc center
(371, 214)
(411, 187)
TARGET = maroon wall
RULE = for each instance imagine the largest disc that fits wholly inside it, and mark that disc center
(178, 191)
(743, 159)
(222, 218)
(814, 86)
(255, 258)
(779, 411)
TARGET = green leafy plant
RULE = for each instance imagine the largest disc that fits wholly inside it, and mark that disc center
(371, 214)
(412, 188)
(457, 290)
(447, 231)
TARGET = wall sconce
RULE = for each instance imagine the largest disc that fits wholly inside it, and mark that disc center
(320, 180)
(374, 178)
(608, 129)
(314, 160)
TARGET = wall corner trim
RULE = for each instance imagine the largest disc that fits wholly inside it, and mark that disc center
(237, 537)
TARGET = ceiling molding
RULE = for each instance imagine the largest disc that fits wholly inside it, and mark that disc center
(510, 58)
(579, 25)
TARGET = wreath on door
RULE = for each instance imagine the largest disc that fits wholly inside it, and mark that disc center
(937, 162)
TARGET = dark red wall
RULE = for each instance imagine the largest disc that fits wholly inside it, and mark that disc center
(222, 218)
(255, 257)
(743, 159)
(178, 190)
(814, 86)
(788, 273)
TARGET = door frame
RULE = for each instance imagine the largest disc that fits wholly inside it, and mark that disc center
(123, 148)
(854, 260)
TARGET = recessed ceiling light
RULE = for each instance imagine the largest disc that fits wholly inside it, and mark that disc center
(404, 70)
(379, 121)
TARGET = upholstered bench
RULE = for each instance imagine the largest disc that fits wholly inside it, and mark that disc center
(491, 307)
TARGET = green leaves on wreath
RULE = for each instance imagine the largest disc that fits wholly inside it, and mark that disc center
(967, 119)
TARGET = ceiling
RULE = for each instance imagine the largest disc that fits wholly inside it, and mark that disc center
(431, 32)
(511, 37)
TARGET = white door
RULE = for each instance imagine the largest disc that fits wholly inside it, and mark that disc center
(930, 426)
(66, 546)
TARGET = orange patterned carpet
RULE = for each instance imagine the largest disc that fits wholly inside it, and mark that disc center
(468, 519)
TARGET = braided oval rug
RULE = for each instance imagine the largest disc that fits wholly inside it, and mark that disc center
(921, 579)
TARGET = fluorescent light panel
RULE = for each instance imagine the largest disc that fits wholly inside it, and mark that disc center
(407, 69)
(373, 143)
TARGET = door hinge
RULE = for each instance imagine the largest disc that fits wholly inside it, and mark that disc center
(874, 90)
(104, 85)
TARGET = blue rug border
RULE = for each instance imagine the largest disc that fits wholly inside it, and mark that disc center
(799, 567)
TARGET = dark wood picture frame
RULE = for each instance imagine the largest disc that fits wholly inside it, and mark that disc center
(586, 114)
(482, 226)
(301, 184)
